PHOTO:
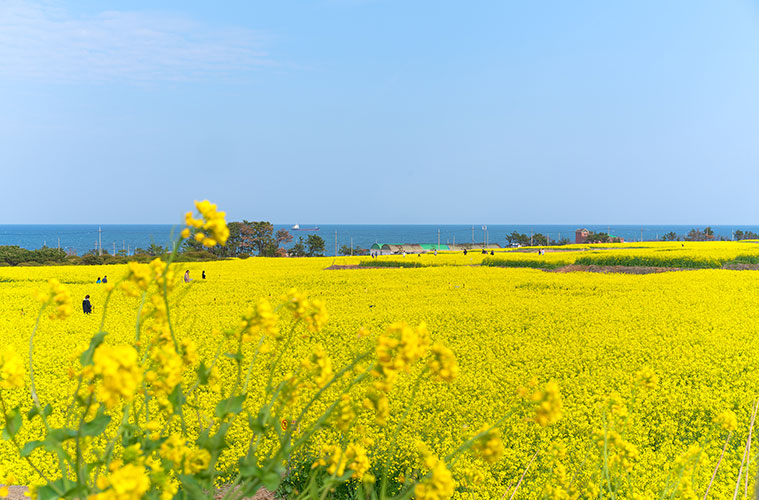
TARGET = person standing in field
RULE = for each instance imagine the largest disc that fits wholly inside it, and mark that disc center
(203, 275)
(98, 281)
(86, 305)
(465, 251)
(187, 278)
(105, 279)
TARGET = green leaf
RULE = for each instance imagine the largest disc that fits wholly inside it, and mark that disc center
(55, 437)
(214, 443)
(230, 405)
(13, 423)
(271, 480)
(191, 487)
(48, 492)
(97, 425)
(97, 339)
(177, 398)
(234, 355)
(32, 413)
(30, 447)
(258, 425)
(204, 373)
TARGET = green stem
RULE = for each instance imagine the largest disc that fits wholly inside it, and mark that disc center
(28, 459)
(394, 443)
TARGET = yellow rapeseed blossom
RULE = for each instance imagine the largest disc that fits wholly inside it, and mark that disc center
(337, 461)
(124, 482)
(166, 368)
(547, 401)
(260, 320)
(443, 363)
(59, 297)
(727, 420)
(119, 373)
(212, 222)
(312, 312)
(490, 446)
(439, 483)
(11, 369)
(647, 378)
(320, 366)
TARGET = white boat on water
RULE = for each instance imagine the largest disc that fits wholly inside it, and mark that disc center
(297, 227)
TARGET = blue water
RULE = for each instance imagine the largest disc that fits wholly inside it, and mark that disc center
(81, 238)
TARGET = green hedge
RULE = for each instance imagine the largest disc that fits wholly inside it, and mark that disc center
(648, 261)
(533, 263)
(389, 263)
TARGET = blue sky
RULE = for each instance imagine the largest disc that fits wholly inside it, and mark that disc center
(349, 111)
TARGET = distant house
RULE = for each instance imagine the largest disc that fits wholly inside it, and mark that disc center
(409, 248)
(581, 235)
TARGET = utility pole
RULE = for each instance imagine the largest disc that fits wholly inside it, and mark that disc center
(641, 235)
(530, 237)
(335, 242)
(351, 246)
(472, 234)
(438, 239)
(59, 242)
(114, 248)
(129, 248)
(100, 241)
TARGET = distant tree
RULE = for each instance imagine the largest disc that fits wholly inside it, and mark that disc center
(259, 237)
(345, 250)
(315, 246)
(598, 238)
(283, 236)
(698, 235)
(670, 236)
(518, 239)
(298, 249)
(539, 239)
(153, 250)
(745, 235)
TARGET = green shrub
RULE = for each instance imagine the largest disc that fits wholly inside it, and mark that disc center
(534, 263)
(648, 261)
(389, 263)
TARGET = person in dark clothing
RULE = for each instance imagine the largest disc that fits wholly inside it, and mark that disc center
(203, 275)
(492, 252)
(86, 305)
(105, 279)
(465, 251)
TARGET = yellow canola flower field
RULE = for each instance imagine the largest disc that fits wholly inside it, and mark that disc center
(590, 333)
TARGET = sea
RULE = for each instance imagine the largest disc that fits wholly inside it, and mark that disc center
(79, 239)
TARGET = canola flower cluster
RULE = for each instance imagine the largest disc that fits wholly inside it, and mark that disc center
(638, 377)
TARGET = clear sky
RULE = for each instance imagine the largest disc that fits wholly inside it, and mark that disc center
(350, 111)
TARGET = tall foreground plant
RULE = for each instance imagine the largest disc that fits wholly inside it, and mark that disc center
(135, 426)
